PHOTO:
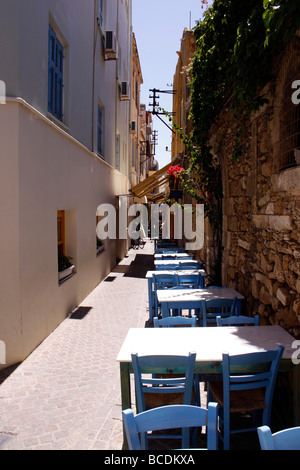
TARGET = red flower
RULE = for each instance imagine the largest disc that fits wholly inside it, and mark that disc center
(174, 170)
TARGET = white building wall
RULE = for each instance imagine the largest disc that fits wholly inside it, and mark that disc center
(46, 166)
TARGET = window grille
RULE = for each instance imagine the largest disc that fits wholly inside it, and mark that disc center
(289, 142)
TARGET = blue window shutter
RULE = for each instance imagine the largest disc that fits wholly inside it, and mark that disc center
(101, 13)
(55, 75)
(99, 131)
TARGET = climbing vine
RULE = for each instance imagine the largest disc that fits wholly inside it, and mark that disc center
(237, 44)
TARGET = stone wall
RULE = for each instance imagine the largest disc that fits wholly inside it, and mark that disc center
(261, 216)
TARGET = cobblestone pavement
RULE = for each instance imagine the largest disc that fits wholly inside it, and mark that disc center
(66, 394)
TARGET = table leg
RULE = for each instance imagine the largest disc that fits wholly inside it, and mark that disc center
(296, 395)
(150, 301)
(125, 393)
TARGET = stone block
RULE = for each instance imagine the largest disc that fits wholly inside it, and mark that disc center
(243, 244)
(264, 296)
(285, 295)
(280, 223)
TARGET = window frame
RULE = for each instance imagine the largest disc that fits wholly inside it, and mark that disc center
(100, 131)
(55, 74)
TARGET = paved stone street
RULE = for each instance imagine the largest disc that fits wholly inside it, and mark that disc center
(66, 394)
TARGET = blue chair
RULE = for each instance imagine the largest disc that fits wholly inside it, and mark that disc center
(238, 320)
(211, 309)
(162, 281)
(193, 281)
(171, 322)
(246, 393)
(287, 439)
(189, 264)
(171, 417)
(171, 387)
(167, 267)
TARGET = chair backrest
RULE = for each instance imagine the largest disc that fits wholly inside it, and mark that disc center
(219, 307)
(266, 361)
(163, 281)
(178, 321)
(182, 365)
(189, 280)
(287, 439)
(238, 320)
(167, 267)
(189, 264)
(171, 417)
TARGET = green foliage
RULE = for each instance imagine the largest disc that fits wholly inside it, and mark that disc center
(237, 42)
(236, 46)
(64, 262)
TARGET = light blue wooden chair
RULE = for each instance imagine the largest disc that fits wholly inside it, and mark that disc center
(246, 393)
(171, 386)
(238, 320)
(162, 281)
(287, 439)
(171, 322)
(194, 281)
(167, 267)
(189, 264)
(171, 417)
(211, 309)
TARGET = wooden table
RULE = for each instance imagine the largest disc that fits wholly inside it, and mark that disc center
(160, 263)
(209, 344)
(191, 298)
(149, 277)
(174, 256)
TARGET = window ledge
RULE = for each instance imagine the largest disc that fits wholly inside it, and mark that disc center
(58, 122)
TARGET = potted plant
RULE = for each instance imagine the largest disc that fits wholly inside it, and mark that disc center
(65, 267)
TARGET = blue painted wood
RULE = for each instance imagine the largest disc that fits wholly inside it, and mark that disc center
(211, 309)
(171, 417)
(238, 320)
(190, 280)
(168, 384)
(286, 439)
(55, 75)
(268, 362)
(162, 281)
(171, 322)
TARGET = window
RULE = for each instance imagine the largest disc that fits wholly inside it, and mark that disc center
(55, 75)
(61, 232)
(289, 143)
(66, 243)
(100, 131)
(118, 151)
(101, 13)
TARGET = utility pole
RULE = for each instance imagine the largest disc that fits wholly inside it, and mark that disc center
(155, 104)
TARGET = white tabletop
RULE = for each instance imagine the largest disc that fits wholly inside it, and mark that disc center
(173, 261)
(178, 271)
(208, 343)
(173, 255)
(192, 295)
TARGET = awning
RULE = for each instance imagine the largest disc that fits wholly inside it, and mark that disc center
(159, 178)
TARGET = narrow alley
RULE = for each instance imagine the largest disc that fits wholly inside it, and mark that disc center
(66, 394)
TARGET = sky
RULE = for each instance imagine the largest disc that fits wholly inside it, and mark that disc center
(158, 27)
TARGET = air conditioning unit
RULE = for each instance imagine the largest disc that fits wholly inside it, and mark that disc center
(133, 127)
(124, 91)
(110, 46)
